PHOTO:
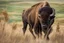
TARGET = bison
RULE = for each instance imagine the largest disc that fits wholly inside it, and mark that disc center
(40, 17)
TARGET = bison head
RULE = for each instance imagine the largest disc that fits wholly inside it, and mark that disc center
(44, 14)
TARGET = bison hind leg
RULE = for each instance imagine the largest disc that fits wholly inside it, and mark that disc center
(24, 27)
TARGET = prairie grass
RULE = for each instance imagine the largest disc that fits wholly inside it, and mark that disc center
(13, 33)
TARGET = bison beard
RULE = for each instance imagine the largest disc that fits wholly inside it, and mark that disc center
(31, 15)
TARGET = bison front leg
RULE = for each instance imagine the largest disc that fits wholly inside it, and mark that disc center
(41, 35)
(30, 29)
(47, 33)
(36, 30)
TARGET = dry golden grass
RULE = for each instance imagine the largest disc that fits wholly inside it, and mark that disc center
(58, 27)
(4, 15)
(13, 33)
